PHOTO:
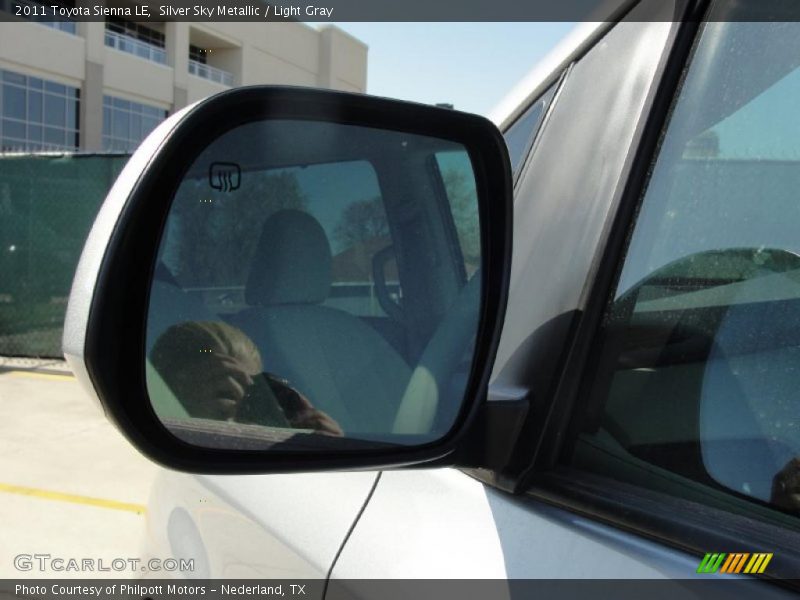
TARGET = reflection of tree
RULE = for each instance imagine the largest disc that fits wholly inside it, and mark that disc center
(363, 224)
(464, 206)
(361, 221)
(217, 239)
(361, 232)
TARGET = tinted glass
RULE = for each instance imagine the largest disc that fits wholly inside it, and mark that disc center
(126, 123)
(698, 377)
(306, 285)
(519, 136)
(32, 107)
(459, 185)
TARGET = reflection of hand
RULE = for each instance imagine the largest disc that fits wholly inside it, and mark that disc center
(303, 415)
(299, 411)
(786, 487)
(318, 421)
(219, 387)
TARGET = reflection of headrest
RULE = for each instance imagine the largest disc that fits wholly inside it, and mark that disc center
(292, 262)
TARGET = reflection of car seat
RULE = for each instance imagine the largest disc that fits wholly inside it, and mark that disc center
(740, 382)
(337, 361)
(170, 305)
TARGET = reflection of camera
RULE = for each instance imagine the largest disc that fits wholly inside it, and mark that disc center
(260, 405)
(271, 400)
(290, 400)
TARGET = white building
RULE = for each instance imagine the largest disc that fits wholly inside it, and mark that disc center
(105, 85)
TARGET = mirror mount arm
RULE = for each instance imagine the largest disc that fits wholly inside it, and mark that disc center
(493, 437)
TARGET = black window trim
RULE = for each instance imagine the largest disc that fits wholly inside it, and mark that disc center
(685, 525)
(443, 203)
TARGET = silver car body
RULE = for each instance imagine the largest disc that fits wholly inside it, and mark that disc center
(441, 523)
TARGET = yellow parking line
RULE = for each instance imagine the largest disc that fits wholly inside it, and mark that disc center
(35, 375)
(74, 498)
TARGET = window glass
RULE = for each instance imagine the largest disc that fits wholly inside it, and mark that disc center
(55, 108)
(521, 133)
(198, 54)
(35, 8)
(120, 125)
(54, 137)
(698, 376)
(55, 88)
(137, 31)
(35, 106)
(27, 104)
(459, 184)
(16, 78)
(35, 133)
(14, 102)
(14, 129)
(124, 126)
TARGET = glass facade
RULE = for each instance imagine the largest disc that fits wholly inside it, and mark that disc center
(126, 123)
(35, 10)
(37, 114)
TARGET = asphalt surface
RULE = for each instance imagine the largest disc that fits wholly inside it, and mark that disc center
(70, 485)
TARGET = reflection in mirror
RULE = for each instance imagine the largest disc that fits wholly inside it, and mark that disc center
(786, 487)
(317, 285)
(215, 372)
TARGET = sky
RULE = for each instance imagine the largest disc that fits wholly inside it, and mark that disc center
(469, 65)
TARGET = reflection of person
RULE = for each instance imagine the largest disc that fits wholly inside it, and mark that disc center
(786, 487)
(212, 369)
(298, 410)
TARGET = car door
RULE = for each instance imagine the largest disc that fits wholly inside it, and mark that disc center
(661, 377)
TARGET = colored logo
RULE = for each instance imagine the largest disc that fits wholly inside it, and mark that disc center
(736, 562)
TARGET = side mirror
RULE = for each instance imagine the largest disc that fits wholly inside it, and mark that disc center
(225, 311)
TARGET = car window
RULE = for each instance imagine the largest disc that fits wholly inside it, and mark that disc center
(462, 198)
(698, 372)
(520, 135)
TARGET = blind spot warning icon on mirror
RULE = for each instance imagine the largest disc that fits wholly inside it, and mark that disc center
(225, 176)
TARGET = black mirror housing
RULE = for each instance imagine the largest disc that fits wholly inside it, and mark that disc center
(105, 339)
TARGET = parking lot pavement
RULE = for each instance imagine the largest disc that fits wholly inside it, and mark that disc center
(70, 485)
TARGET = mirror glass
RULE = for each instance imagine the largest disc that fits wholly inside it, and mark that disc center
(317, 285)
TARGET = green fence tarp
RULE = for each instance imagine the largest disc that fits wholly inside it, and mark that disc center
(47, 206)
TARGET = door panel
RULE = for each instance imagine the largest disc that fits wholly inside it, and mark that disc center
(261, 526)
(444, 524)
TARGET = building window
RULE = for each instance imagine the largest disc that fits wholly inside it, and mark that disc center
(126, 123)
(38, 11)
(136, 39)
(199, 67)
(37, 114)
(198, 54)
(138, 32)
